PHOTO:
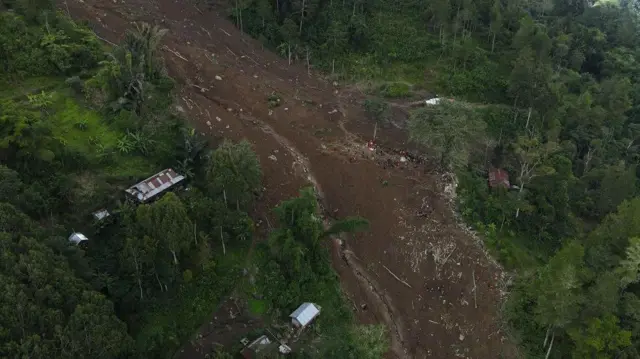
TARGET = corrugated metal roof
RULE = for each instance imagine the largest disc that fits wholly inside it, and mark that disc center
(305, 313)
(498, 177)
(77, 238)
(154, 185)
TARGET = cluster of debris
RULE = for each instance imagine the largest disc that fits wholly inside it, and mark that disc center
(371, 145)
(142, 192)
(266, 345)
(398, 157)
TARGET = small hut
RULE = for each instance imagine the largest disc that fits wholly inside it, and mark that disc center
(499, 178)
(100, 214)
(262, 347)
(304, 315)
(154, 186)
(77, 238)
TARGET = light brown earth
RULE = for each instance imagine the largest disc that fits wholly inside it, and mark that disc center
(416, 268)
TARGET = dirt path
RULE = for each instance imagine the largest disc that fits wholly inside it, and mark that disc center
(415, 273)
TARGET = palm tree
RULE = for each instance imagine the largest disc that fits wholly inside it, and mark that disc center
(133, 66)
(143, 43)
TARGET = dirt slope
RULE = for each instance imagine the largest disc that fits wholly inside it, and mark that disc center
(417, 268)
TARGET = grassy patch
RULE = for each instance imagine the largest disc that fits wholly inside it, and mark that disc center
(395, 90)
(14, 90)
(257, 307)
(84, 130)
(80, 128)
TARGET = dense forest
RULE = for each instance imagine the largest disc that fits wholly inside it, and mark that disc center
(81, 121)
(546, 90)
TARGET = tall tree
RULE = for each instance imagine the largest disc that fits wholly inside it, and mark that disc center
(600, 338)
(532, 158)
(48, 312)
(559, 291)
(630, 266)
(167, 222)
(234, 174)
(496, 22)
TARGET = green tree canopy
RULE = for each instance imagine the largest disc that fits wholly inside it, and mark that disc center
(234, 174)
(449, 130)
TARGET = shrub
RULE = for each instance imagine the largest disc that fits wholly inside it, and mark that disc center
(395, 90)
(377, 109)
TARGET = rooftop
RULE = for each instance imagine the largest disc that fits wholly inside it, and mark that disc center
(101, 214)
(155, 185)
(305, 313)
(77, 238)
(498, 177)
(260, 347)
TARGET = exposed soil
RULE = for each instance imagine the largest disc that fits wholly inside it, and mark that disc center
(228, 325)
(415, 270)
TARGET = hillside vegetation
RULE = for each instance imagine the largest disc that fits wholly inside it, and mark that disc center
(80, 122)
(558, 81)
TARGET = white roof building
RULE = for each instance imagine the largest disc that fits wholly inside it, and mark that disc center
(436, 101)
(101, 214)
(433, 101)
(154, 185)
(77, 238)
(305, 314)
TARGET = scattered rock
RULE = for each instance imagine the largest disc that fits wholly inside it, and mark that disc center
(403, 159)
(218, 119)
(461, 336)
(179, 108)
(286, 109)
(209, 123)
(273, 158)
(218, 78)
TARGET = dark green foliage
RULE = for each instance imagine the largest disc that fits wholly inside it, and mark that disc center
(395, 90)
(294, 267)
(10, 185)
(131, 73)
(377, 110)
(48, 312)
(63, 49)
(233, 174)
(449, 130)
(62, 160)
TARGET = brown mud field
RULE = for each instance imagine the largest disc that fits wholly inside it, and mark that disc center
(420, 272)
